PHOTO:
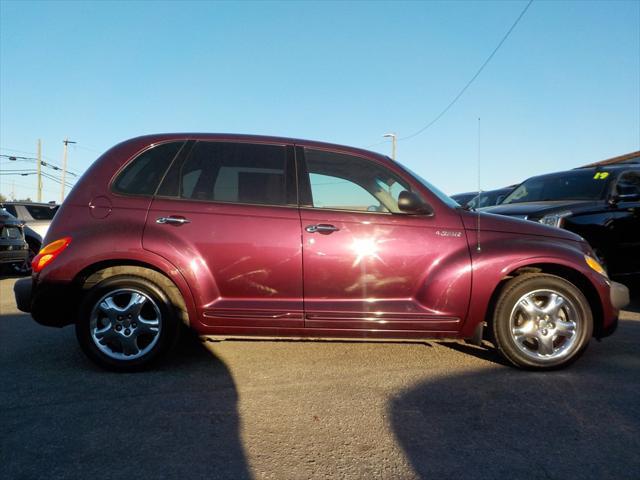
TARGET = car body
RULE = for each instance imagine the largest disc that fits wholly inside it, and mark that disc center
(13, 247)
(253, 236)
(464, 198)
(37, 216)
(601, 204)
(490, 197)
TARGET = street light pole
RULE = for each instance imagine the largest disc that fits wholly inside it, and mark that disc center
(66, 142)
(394, 139)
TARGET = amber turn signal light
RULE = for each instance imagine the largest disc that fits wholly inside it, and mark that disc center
(49, 253)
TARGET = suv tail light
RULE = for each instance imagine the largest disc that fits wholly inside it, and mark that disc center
(49, 253)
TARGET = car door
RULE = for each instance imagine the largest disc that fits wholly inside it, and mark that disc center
(368, 267)
(625, 225)
(226, 215)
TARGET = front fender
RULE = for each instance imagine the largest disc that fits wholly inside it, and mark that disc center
(502, 254)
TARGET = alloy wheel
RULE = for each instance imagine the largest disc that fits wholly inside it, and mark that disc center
(545, 325)
(125, 324)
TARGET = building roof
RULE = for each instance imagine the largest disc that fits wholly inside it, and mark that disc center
(633, 157)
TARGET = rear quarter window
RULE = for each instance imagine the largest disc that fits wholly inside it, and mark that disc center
(143, 174)
(39, 212)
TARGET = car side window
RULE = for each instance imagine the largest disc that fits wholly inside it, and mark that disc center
(628, 184)
(143, 174)
(345, 182)
(230, 172)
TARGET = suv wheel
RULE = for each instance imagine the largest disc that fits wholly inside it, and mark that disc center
(542, 322)
(126, 323)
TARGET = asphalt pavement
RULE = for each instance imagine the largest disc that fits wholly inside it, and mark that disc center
(297, 410)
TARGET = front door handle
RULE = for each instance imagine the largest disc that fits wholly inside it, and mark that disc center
(321, 228)
(172, 220)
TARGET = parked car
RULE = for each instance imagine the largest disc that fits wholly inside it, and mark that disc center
(601, 204)
(490, 197)
(13, 247)
(37, 216)
(464, 198)
(34, 243)
(251, 236)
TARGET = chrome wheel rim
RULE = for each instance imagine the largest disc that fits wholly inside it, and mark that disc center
(545, 325)
(125, 324)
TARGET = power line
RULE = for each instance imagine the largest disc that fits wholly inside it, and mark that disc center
(30, 187)
(468, 84)
(24, 173)
(49, 164)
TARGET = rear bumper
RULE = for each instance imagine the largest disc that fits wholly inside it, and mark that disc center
(22, 291)
(51, 304)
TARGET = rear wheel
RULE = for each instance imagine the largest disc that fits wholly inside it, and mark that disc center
(126, 323)
(542, 322)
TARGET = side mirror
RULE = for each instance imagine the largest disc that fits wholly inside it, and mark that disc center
(409, 202)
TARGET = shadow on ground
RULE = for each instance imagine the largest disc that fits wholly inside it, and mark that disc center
(64, 418)
(582, 422)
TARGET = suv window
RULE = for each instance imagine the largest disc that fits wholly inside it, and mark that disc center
(230, 172)
(39, 212)
(143, 174)
(629, 184)
(11, 209)
(345, 182)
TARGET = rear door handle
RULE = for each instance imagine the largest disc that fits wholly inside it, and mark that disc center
(321, 228)
(172, 220)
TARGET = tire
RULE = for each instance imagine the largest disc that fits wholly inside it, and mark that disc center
(126, 323)
(541, 322)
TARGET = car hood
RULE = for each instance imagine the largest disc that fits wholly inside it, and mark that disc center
(537, 209)
(490, 222)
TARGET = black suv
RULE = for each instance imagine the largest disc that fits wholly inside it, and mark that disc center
(601, 204)
(13, 247)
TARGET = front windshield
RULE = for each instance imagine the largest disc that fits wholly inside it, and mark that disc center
(441, 195)
(574, 185)
(485, 199)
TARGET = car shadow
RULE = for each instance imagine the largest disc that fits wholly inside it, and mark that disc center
(498, 422)
(485, 352)
(63, 417)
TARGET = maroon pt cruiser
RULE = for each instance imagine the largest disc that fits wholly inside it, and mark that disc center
(249, 236)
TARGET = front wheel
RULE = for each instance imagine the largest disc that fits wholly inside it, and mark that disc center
(542, 322)
(126, 323)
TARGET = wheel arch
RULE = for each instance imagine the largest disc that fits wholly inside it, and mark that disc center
(570, 274)
(96, 272)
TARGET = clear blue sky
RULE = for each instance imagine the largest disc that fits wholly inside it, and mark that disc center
(562, 91)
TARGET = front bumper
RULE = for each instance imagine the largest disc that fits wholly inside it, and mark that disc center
(619, 294)
(17, 255)
(619, 297)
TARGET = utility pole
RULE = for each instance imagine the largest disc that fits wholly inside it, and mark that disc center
(66, 142)
(394, 139)
(39, 163)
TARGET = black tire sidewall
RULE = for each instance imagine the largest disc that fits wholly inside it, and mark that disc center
(168, 330)
(512, 292)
